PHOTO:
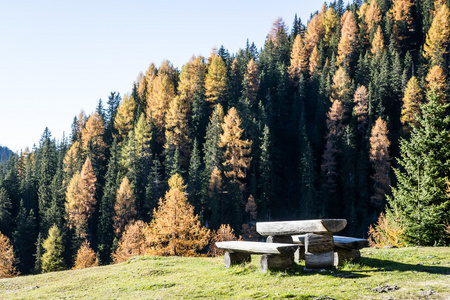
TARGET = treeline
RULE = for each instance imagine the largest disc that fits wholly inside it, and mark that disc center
(306, 127)
(5, 152)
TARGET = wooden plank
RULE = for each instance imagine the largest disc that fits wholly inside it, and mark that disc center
(343, 242)
(299, 227)
(257, 247)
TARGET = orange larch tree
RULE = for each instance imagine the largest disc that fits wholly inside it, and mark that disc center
(85, 257)
(125, 207)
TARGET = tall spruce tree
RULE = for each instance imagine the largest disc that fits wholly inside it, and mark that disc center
(424, 167)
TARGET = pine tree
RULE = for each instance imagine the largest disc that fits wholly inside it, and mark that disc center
(195, 179)
(5, 212)
(212, 151)
(175, 230)
(23, 239)
(266, 173)
(7, 260)
(52, 259)
(106, 208)
(424, 164)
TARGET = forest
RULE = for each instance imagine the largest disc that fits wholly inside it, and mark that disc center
(344, 116)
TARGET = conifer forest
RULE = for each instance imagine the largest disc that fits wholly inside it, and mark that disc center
(344, 115)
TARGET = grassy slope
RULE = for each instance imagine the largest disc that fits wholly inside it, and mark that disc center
(415, 271)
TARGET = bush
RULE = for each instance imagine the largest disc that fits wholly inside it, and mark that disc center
(389, 231)
(86, 257)
(224, 233)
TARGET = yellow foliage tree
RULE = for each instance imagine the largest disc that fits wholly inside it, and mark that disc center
(377, 42)
(314, 60)
(224, 233)
(162, 93)
(216, 80)
(92, 136)
(381, 161)
(125, 206)
(132, 243)
(349, 33)
(361, 108)
(341, 87)
(80, 199)
(330, 24)
(299, 59)
(314, 32)
(251, 82)
(124, 117)
(412, 100)
(402, 17)
(437, 82)
(175, 230)
(438, 36)
(177, 127)
(388, 231)
(372, 16)
(7, 268)
(85, 257)
(237, 151)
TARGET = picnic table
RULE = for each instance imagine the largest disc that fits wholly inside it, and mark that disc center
(289, 241)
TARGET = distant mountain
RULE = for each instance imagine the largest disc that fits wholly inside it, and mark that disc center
(5, 152)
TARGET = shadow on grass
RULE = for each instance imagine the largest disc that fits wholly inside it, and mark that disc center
(382, 265)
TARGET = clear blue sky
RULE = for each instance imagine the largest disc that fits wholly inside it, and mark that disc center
(58, 57)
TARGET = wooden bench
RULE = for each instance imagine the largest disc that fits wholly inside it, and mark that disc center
(288, 241)
(274, 255)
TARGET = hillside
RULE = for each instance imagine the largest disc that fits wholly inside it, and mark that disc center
(5, 152)
(417, 272)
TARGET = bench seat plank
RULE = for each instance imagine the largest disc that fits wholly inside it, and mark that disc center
(257, 247)
(343, 242)
(299, 227)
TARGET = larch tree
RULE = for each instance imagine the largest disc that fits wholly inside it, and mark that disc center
(361, 108)
(125, 207)
(315, 30)
(175, 230)
(330, 25)
(437, 82)
(162, 93)
(53, 260)
(216, 80)
(403, 22)
(341, 87)
(377, 42)
(314, 60)
(349, 34)
(132, 243)
(381, 162)
(237, 151)
(437, 37)
(85, 257)
(412, 100)
(92, 141)
(7, 259)
(123, 121)
(80, 199)
(250, 84)
(299, 60)
(177, 127)
(372, 16)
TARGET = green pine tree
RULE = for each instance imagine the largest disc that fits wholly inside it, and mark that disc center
(424, 168)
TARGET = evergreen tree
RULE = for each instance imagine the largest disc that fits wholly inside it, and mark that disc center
(195, 179)
(5, 212)
(424, 164)
(23, 239)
